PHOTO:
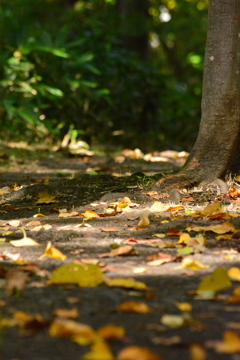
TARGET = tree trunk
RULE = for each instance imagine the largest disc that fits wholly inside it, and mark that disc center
(134, 17)
(216, 149)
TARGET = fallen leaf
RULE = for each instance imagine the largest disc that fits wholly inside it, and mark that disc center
(184, 306)
(110, 331)
(213, 208)
(176, 321)
(99, 350)
(235, 297)
(217, 281)
(197, 352)
(65, 214)
(234, 193)
(109, 230)
(67, 313)
(85, 275)
(30, 324)
(229, 345)
(161, 207)
(218, 229)
(52, 252)
(25, 241)
(143, 223)
(16, 280)
(128, 283)
(14, 223)
(89, 214)
(81, 333)
(193, 264)
(44, 197)
(234, 273)
(174, 232)
(137, 353)
(134, 307)
(161, 258)
(123, 251)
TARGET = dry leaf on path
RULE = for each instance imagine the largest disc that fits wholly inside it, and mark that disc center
(67, 313)
(197, 352)
(137, 353)
(110, 331)
(192, 264)
(25, 241)
(234, 273)
(126, 250)
(81, 333)
(143, 223)
(218, 229)
(128, 283)
(229, 345)
(52, 252)
(99, 350)
(85, 275)
(218, 280)
(16, 280)
(89, 214)
(134, 307)
(44, 197)
(161, 258)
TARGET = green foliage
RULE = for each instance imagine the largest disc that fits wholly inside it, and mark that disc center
(64, 65)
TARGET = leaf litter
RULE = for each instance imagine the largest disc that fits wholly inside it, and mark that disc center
(184, 231)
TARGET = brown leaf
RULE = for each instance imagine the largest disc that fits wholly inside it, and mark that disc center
(67, 313)
(16, 280)
(161, 258)
(134, 307)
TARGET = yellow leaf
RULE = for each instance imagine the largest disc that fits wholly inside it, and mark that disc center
(185, 307)
(64, 214)
(86, 275)
(218, 229)
(80, 333)
(137, 353)
(197, 352)
(229, 345)
(89, 214)
(52, 252)
(143, 223)
(217, 281)
(183, 237)
(234, 273)
(100, 350)
(213, 208)
(128, 283)
(176, 321)
(44, 197)
(134, 307)
(235, 298)
(193, 264)
(159, 207)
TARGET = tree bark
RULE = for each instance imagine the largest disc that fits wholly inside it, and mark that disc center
(133, 16)
(216, 150)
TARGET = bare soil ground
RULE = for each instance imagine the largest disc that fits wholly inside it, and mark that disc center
(125, 231)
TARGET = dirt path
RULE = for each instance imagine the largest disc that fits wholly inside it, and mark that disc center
(127, 233)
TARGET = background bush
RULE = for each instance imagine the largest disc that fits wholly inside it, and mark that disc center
(68, 65)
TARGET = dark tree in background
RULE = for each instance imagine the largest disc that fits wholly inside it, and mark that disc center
(216, 150)
(134, 29)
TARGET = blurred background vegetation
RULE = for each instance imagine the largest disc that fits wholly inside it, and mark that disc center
(114, 72)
